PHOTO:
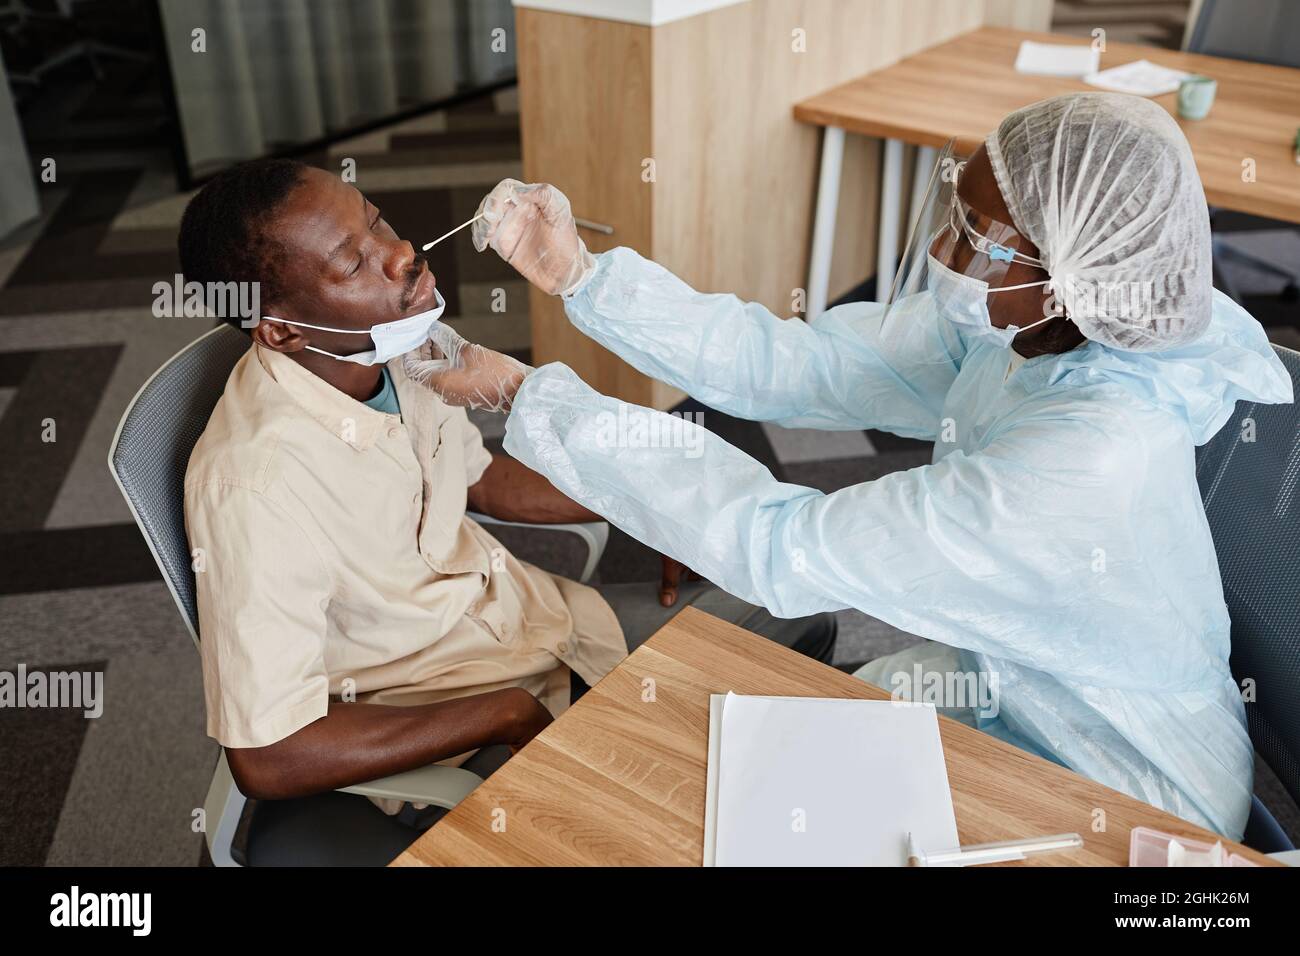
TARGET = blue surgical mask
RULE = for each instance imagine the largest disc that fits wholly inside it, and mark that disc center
(963, 301)
(391, 338)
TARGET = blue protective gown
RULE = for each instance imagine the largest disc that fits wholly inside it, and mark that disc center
(1057, 540)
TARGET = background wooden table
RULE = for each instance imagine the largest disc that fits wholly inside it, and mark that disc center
(619, 778)
(963, 88)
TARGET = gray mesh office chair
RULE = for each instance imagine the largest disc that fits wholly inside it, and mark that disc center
(1251, 492)
(148, 459)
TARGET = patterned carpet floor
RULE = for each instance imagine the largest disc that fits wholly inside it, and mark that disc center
(78, 588)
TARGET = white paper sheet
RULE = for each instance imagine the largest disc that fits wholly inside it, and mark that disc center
(1141, 78)
(1056, 59)
(799, 781)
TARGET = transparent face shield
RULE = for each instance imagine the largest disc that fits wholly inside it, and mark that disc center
(956, 261)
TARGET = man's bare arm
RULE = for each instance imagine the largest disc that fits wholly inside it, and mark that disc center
(512, 491)
(354, 743)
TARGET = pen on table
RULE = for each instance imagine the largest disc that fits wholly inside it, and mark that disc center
(992, 852)
(429, 245)
(913, 852)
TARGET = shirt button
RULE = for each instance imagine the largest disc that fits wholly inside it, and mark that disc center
(562, 647)
(394, 432)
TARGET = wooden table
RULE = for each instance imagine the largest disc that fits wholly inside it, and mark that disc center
(963, 88)
(618, 780)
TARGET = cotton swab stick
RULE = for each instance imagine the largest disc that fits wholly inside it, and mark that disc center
(429, 245)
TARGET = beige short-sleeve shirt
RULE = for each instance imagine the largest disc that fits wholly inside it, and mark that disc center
(334, 558)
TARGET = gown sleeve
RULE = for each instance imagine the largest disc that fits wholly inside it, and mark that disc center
(837, 373)
(976, 550)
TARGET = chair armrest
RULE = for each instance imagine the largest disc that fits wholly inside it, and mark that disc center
(435, 784)
(595, 534)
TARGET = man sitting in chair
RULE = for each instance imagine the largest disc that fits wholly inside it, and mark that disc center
(354, 622)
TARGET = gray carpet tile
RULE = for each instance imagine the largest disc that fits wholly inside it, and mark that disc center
(59, 558)
(862, 638)
(144, 768)
(837, 473)
(135, 292)
(100, 623)
(40, 748)
(88, 495)
(43, 427)
(806, 444)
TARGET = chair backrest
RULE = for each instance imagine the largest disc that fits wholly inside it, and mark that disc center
(1249, 474)
(1262, 31)
(152, 448)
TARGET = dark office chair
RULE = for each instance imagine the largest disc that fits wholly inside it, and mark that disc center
(148, 459)
(1251, 492)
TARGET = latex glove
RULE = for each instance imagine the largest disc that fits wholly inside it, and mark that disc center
(463, 373)
(530, 225)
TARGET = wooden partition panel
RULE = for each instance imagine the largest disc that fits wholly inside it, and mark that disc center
(584, 100)
(708, 100)
(737, 174)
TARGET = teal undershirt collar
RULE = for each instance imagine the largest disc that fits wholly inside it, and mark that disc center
(386, 400)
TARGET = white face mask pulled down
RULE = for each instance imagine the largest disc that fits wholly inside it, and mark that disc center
(964, 302)
(391, 338)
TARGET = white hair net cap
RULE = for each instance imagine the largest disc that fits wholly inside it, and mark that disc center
(1105, 185)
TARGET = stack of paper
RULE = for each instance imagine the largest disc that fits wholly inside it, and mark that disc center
(1056, 59)
(1141, 78)
(801, 781)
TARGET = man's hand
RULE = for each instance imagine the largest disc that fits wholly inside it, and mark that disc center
(671, 579)
(463, 373)
(531, 226)
(531, 719)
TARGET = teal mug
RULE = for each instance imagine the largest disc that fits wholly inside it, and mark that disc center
(1196, 96)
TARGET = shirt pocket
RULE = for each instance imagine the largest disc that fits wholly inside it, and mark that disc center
(443, 543)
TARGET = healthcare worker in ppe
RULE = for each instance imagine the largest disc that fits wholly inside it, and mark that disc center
(1055, 333)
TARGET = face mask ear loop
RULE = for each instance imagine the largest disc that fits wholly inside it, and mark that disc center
(318, 328)
(1034, 325)
(312, 348)
(1024, 285)
(1031, 325)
